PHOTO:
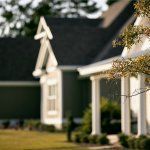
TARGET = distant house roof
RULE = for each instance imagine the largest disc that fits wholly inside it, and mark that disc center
(84, 41)
(17, 59)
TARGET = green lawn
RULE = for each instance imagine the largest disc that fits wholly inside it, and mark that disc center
(31, 140)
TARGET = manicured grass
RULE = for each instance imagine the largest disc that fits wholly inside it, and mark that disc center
(31, 140)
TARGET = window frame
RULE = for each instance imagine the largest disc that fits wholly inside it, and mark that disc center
(50, 98)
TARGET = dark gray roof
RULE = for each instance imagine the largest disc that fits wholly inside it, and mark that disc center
(18, 58)
(81, 41)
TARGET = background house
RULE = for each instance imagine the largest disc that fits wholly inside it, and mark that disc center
(76, 43)
(19, 91)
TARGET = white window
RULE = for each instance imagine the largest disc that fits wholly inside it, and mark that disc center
(52, 96)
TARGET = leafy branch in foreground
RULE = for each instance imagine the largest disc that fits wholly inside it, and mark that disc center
(133, 34)
(142, 8)
(131, 67)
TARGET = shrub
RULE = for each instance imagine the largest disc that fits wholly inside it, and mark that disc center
(145, 143)
(102, 139)
(131, 142)
(84, 138)
(138, 141)
(110, 117)
(87, 121)
(48, 128)
(123, 139)
(77, 137)
(32, 124)
(6, 124)
(21, 123)
(93, 139)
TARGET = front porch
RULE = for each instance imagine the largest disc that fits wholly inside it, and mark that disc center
(126, 97)
(131, 99)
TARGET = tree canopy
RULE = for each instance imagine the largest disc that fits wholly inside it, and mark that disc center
(22, 19)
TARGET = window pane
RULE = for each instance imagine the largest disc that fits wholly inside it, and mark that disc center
(52, 97)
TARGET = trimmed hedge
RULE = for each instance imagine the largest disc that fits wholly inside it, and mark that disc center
(37, 125)
(131, 142)
(93, 139)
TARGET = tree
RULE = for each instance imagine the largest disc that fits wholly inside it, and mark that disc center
(80, 8)
(23, 19)
(133, 35)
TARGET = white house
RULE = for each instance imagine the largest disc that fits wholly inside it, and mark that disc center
(135, 106)
(74, 43)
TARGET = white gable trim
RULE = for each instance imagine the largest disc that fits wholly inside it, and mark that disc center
(40, 34)
(49, 47)
(45, 46)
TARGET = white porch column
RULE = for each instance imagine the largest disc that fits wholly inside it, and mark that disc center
(125, 105)
(142, 106)
(96, 127)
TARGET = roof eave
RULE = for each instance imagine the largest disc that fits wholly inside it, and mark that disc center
(98, 67)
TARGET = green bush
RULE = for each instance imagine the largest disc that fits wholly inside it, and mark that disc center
(48, 128)
(123, 139)
(131, 142)
(87, 121)
(102, 139)
(93, 139)
(84, 138)
(142, 142)
(77, 138)
(6, 124)
(138, 141)
(110, 117)
(145, 143)
(32, 124)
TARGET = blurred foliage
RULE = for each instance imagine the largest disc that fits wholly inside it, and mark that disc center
(110, 117)
(133, 35)
(23, 19)
(129, 67)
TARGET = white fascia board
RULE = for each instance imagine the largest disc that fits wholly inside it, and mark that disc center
(138, 53)
(63, 68)
(97, 67)
(69, 68)
(42, 24)
(19, 83)
(88, 70)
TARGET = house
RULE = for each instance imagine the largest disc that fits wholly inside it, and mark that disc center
(66, 45)
(134, 108)
(19, 91)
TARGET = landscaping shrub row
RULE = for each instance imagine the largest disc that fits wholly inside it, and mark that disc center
(93, 139)
(27, 124)
(142, 142)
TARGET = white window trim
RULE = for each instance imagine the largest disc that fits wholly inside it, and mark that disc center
(51, 82)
